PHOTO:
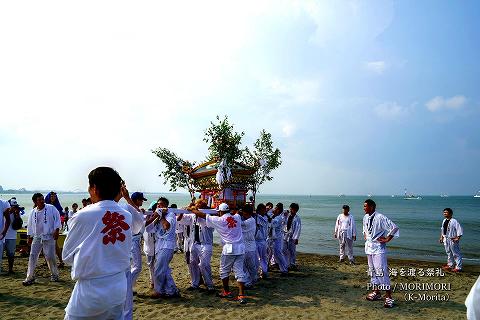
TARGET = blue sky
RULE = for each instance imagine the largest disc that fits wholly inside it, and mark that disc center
(361, 97)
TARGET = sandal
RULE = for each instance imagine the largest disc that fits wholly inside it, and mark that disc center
(225, 294)
(241, 299)
(388, 303)
(373, 296)
(28, 282)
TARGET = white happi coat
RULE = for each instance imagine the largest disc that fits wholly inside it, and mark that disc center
(454, 229)
(149, 240)
(230, 230)
(205, 233)
(295, 229)
(165, 239)
(98, 248)
(248, 230)
(43, 223)
(351, 228)
(381, 226)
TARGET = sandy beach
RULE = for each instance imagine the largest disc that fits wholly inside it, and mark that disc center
(321, 289)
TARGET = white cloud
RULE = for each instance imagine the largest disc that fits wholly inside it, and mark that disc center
(377, 67)
(439, 102)
(288, 129)
(392, 110)
(295, 91)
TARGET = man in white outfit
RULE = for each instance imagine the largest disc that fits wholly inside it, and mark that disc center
(261, 238)
(346, 233)
(149, 239)
(275, 239)
(378, 230)
(163, 223)
(450, 235)
(43, 229)
(251, 261)
(291, 234)
(200, 247)
(98, 247)
(228, 226)
(138, 222)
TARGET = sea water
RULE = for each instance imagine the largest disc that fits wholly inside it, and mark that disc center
(419, 221)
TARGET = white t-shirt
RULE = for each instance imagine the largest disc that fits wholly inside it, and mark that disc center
(230, 230)
(4, 205)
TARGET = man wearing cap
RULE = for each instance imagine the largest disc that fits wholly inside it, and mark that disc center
(11, 236)
(4, 225)
(346, 233)
(229, 227)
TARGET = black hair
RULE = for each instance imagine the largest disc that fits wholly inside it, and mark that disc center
(294, 206)
(248, 209)
(269, 204)
(261, 207)
(279, 206)
(371, 203)
(450, 211)
(74, 204)
(174, 206)
(36, 196)
(164, 200)
(107, 182)
(346, 206)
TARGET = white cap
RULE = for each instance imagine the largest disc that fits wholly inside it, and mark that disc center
(13, 202)
(223, 207)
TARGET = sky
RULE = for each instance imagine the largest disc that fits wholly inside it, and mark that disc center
(360, 96)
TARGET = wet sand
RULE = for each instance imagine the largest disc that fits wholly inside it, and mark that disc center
(321, 288)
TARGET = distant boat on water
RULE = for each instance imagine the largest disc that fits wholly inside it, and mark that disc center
(444, 195)
(477, 195)
(411, 196)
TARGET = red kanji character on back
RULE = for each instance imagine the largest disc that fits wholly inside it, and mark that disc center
(114, 227)
(231, 222)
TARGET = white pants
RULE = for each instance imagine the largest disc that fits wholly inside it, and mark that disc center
(179, 241)
(128, 306)
(235, 263)
(200, 257)
(136, 261)
(250, 267)
(346, 245)
(290, 252)
(99, 298)
(454, 256)
(378, 270)
(277, 253)
(262, 256)
(162, 280)
(49, 253)
(151, 267)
